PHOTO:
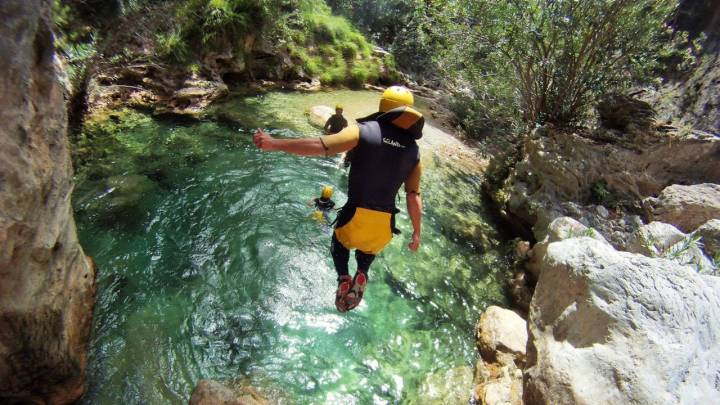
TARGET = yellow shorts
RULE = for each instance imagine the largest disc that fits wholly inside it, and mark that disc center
(368, 231)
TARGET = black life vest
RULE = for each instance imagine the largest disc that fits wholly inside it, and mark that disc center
(324, 204)
(384, 158)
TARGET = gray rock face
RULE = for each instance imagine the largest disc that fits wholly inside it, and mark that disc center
(615, 327)
(605, 166)
(47, 284)
(686, 207)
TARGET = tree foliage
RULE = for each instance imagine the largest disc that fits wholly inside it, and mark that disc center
(550, 59)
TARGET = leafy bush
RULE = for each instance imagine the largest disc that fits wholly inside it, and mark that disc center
(551, 59)
(172, 46)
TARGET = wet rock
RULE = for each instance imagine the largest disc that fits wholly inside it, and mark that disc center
(319, 114)
(521, 289)
(47, 284)
(710, 234)
(624, 329)
(686, 207)
(210, 392)
(194, 97)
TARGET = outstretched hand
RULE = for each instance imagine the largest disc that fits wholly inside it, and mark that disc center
(415, 242)
(263, 140)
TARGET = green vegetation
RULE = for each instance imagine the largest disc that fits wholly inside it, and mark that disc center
(548, 61)
(320, 44)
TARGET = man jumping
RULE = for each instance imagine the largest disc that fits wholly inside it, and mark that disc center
(385, 156)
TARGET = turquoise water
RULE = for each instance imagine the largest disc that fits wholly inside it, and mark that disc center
(211, 267)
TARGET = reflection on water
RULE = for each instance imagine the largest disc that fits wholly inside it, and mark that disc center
(210, 267)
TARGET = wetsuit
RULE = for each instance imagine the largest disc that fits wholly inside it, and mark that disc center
(335, 124)
(385, 156)
(324, 205)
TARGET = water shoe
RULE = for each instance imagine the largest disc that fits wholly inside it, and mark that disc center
(354, 296)
(344, 285)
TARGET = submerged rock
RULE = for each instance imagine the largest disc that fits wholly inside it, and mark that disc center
(615, 327)
(47, 284)
(686, 207)
(210, 392)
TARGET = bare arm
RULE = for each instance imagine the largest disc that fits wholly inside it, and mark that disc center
(301, 147)
(414, 207)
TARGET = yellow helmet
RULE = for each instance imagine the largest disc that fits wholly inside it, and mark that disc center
(338, 106)
(327, 192)
(394, 97)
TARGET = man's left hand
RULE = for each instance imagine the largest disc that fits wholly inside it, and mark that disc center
(263, 140)
(415, 243)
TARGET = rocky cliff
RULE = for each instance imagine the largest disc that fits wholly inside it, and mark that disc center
(47, 284)
(616, 327)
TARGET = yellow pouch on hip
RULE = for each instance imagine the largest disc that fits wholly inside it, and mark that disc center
(368, 231)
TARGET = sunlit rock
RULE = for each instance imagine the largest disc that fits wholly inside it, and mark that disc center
(686, 207)
(501, 330)
(319, 114)
(616, 327)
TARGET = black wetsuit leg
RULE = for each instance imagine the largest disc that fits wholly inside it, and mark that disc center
(364, 260)
(340, 256)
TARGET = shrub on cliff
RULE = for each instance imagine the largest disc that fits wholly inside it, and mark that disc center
(549, 60)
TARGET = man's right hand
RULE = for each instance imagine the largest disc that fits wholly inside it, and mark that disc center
(263, 140)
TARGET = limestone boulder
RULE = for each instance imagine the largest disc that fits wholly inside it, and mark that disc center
(47, 284)
(616, 327)
(710, 234)
(658, 239)
(319, 114)
(686, 207)
(211, 392)
(501, 337)
(618, 111)
(654, 238)
(559, 229)
(501, 330)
